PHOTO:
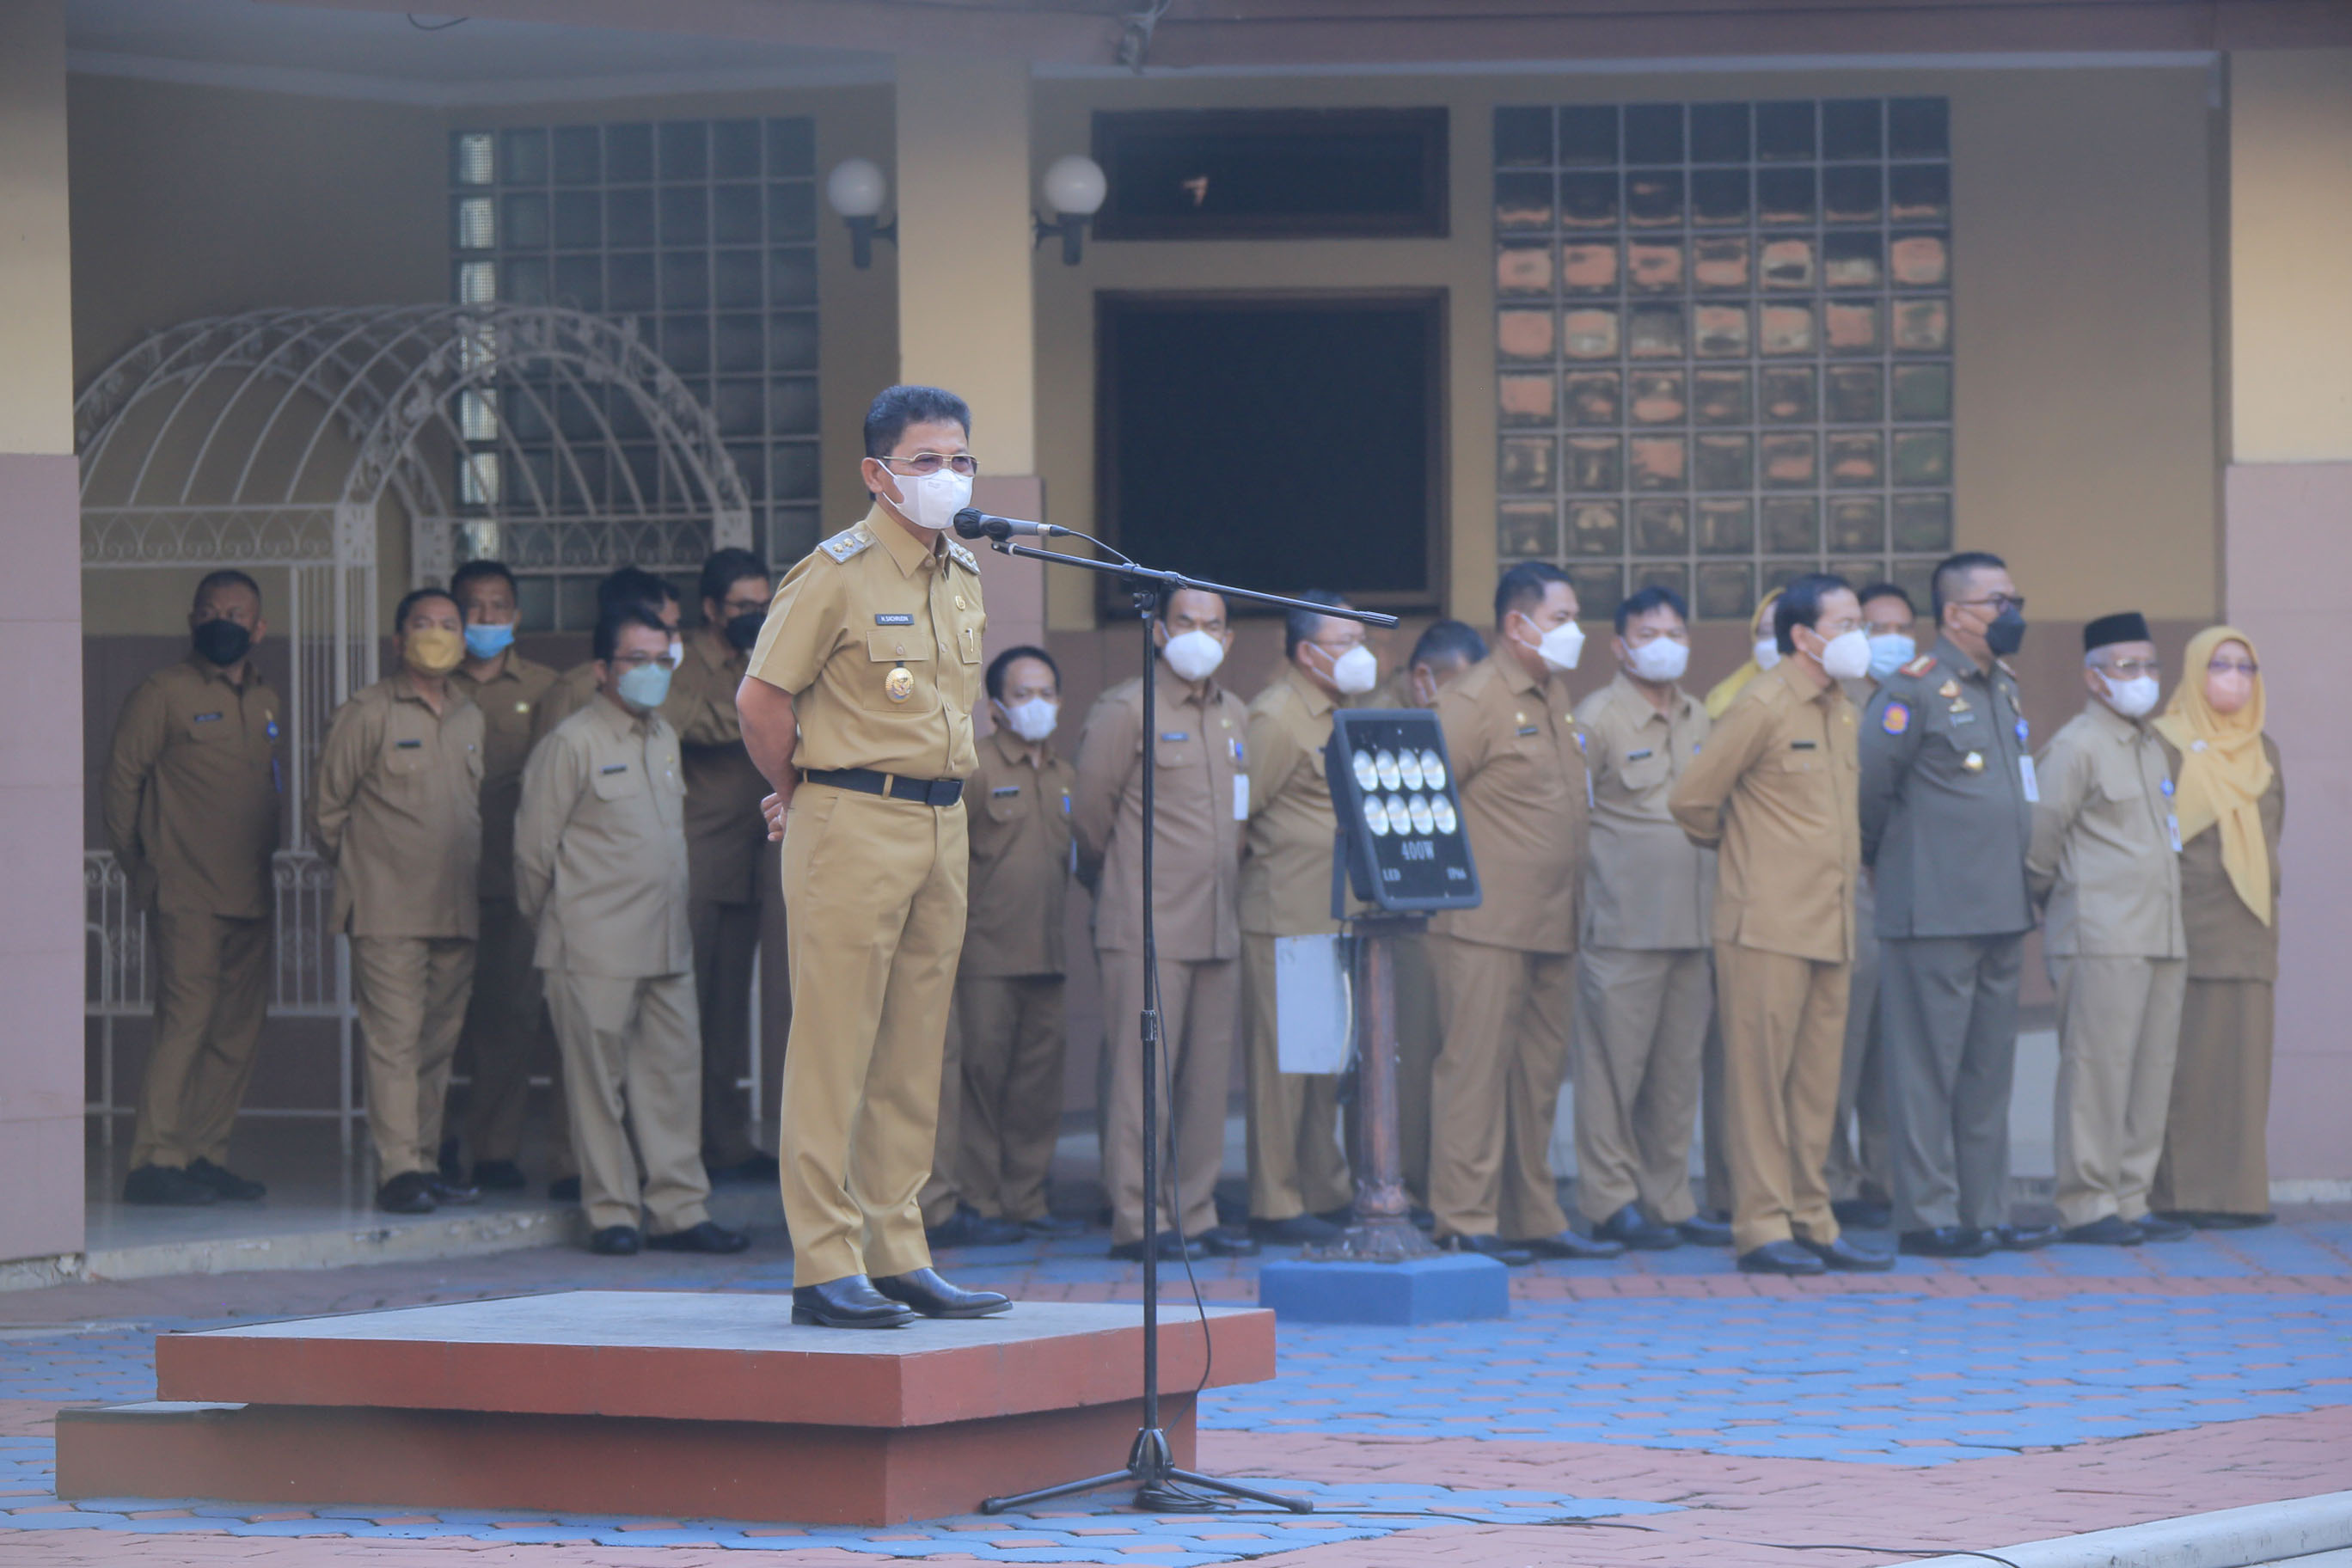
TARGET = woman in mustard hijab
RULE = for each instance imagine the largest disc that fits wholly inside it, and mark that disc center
(1763, 655)
(2232, 801)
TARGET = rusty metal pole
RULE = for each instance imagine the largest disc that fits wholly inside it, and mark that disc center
(1382, 1229)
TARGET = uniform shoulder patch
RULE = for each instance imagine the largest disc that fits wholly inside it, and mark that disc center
(1918, 667)
(846, 543)
(1895, 718)
(963, 558)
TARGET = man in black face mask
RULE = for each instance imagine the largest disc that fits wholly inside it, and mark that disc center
(192, 808)
(731, 868)
(1947, 793)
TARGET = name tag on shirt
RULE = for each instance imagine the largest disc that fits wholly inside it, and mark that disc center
(1525, 730)
(1241, 797)
(1637, 756)
(1004, 792)
(894, 620)
(1176, 735)
(615, 768)
(406, 746)
(1805, 746)
(204, 718)
(2033, 789)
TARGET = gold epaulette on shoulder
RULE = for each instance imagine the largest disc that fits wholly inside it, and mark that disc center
(847, 542)
(1918, 667)
(962, 558)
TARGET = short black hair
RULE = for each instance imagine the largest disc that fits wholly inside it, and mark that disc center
(614, 619)
(728, 567)
(1525, 584)
(1003, 661)
(417, 596)
(1167, 596)
(895, 407)
(1887, 591)
(1952, 569)
(226, 577)
(635, 585)
(473, 571)
(1448, 642)
(1801, 606)
(1641, 601)
(1300, 625)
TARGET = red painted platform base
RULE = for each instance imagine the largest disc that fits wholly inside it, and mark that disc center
(671, 1404)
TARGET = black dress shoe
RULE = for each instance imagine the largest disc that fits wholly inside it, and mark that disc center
(1230, 1241)
(1298, 1230)
(1863, 1214)
(166, 1187)
(1949, 1241)
(1340, 1218)
(1053, 1228)
(2024, 1237)
(411, 1191)
(934, 1297)
(564, 1190)
(2112, 1230)
(226, 1182)
(1629, 1227)
(2218, 1220)
(1781, 1257)
(499, 1176)
(850, 1302)
(617, 1241)
(704, 1237)
(448, 1163)
(969, 1228)
(448, 1192)
(2152, 1227)
(1422, 1219)
(1850, 1258)
(1568, 1245)
(1701, 1231)
(1174, 1248)
(1508, 1253)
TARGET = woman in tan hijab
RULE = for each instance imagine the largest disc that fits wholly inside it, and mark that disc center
(2231, 802)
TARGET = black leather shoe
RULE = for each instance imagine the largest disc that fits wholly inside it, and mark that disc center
(1229, 1241)
(934, 1297)
(411, 1191)
(1340, 1218)
(564, 1190)
(617, 1241)
(2114, 1230)
(499, 1176)
(1949, 1241)
(226, 1182)
(850, 1302)
(704, 1237)
(1508, 1253)
(2219, 1220)
(2152, 1227)
(1053, 1228)
(1174, 1248)
(1423, 1220)
(450, 1166)
(1569, 1246)
(1701, 1231)
(969, 1228)
(166, 1187)
(1849, 1257)
(1862, 1214)
(449, 1194)
(1629, 1227)
(1298, 1230)
(2024, 1237)
(1781, 1257)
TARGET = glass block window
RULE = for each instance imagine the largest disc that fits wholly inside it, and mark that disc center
(1724, 344)
(703, 233)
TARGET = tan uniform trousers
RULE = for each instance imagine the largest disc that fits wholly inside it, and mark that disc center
(1420, 1033)
(1014, 1040)
(1641, 1024)
(875, 889)
(1295, 1163)
(632, 1059)
(212, 992)
(727, 939)
(1859, 1152)
(1494, 1089)
(1783, 1040)
(411, 994)
(942, 1192)
(2118, 1030)
(1199, 1005)
(507, 1038)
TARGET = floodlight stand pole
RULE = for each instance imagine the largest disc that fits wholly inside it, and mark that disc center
(1150, 1461)
(1381, 1229)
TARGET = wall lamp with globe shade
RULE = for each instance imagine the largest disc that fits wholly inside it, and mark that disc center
(1073, 189)
(857, 189)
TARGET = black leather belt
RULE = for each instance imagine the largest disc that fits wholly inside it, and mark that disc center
(866, 781)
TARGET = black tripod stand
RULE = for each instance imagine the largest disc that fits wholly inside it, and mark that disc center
(1151, 1462)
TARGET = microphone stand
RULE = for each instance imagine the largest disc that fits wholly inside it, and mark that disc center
(1151, 1462)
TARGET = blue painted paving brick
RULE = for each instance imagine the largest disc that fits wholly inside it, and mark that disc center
(1423, 1291)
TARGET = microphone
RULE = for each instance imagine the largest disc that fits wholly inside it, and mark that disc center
(973, 523)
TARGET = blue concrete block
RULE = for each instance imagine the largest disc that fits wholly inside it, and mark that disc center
(1423, 1291)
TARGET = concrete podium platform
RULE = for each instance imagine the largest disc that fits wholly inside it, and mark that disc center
(692, 1405)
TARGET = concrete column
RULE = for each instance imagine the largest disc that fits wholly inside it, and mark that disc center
(2288, 551)
(40, 711)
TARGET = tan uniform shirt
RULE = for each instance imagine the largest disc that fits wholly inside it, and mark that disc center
(1196, 866)
(566, 695)
(509, 704)
(876, 637)
(600, 847)
(192, 790)
(1775, 789)
(1286, 880)
(2104, 856)
(397, 805)
(1018, 816)
(1519, 766)
(725, 832)
(1647, 888)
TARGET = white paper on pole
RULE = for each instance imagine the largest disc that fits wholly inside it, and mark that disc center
(1310, 1004)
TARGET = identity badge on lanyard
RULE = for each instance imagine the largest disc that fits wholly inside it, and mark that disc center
(2172, 818)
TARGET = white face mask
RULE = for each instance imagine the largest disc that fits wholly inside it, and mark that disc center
(1356, 671)
(1768, 652)
(1562, 645)
(1889, 652)
(931, 501)
(1847, 657)
(1661, 659)
(2132, 699)
(677, 653)
(1193, 655)
(1031, 721)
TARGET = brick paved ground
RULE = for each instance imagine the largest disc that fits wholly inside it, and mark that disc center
(1663, 1411)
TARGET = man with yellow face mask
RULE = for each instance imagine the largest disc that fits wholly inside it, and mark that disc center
(397, 809)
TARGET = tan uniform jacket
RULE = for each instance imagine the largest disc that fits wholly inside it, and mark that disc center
(1775, 791)
(566, 695)
(1286, 879)
(1519, 766)
(2226, 941)
(866, 604)
(1018, 815)
(1197, 855)
(600, 847)
(1647, 888)
(2103, 859)
(510, 703)
(725, 834)
(397, 805)
(192, 791)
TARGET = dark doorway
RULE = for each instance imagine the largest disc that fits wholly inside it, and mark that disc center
(1275, 442)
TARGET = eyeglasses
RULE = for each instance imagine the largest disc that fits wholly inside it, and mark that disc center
(1999, 604)
(2233, 667)
(2133, 669)
(923, 463)
(639, 660)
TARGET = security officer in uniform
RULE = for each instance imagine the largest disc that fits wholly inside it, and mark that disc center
(192, 809)
(857, 709)
(1948, 792)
